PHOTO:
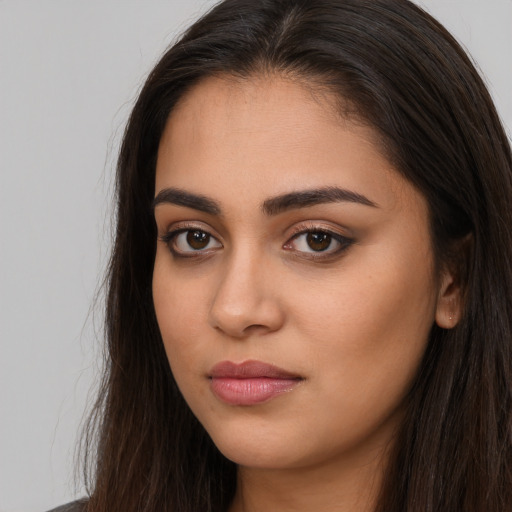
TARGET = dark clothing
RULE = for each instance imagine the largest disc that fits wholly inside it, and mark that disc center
(75, 506)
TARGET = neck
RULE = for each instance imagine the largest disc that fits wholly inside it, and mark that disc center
(341, 486)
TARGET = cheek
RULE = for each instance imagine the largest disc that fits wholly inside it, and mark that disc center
(180, 306)
(370, 328)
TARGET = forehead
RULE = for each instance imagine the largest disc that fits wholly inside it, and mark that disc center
(264, 136)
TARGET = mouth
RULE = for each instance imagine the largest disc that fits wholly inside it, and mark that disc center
(250, 382)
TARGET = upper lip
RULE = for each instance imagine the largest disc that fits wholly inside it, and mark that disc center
(249, 370)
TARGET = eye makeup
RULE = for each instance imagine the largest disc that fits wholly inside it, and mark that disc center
(189, 240)
(314, 241)
(308, 240)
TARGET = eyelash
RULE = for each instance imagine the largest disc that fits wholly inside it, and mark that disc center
(302, 230)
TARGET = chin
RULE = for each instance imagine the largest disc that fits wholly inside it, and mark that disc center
(258, 457)
(256, 448)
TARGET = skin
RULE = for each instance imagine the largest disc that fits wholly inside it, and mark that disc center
(352, 321)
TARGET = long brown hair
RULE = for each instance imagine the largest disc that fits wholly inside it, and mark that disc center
(404, 75)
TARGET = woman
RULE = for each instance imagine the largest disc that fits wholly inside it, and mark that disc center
(310, 290)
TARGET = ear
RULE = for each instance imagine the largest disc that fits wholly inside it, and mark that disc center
(449, 300)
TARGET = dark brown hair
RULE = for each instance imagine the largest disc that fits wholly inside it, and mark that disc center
(405, 76)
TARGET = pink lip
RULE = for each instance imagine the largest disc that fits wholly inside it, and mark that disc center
(250, 382)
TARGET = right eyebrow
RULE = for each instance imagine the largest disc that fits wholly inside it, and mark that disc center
(182, 198)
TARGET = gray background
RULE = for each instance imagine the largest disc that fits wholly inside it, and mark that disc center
(69, 72)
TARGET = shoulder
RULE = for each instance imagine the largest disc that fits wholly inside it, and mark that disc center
(75, 506)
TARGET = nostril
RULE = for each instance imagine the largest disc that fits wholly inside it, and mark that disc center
(245, 302)
(255, 328)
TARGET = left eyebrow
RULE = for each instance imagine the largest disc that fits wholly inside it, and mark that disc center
(305, 198)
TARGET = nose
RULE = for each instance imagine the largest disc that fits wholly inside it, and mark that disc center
(246, 301)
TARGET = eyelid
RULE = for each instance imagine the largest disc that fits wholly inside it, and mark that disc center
(317, 225)
(186, 225)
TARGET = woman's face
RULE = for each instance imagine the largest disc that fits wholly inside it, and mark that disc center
(293, 281)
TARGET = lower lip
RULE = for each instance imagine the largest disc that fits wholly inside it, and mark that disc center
(250, 391)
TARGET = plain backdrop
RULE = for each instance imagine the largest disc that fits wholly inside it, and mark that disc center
(69, 72)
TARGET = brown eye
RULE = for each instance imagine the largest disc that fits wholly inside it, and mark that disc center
(197, 239)
(318, 241)
(190, 242)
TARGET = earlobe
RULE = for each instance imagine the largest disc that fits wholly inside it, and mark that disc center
(449, 301)
(450, 298)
